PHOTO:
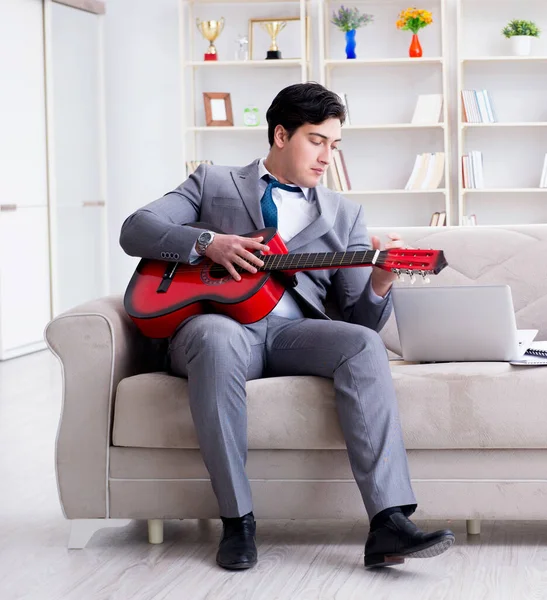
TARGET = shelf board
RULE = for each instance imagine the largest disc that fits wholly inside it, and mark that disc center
(513, 124)
(394, 126)
(504, 59)
(283, 62)
(228, 128)
(504, 190)
(382, 61)
(392, 192)
(243, 1)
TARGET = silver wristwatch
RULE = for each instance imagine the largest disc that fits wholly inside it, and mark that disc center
(204, 240)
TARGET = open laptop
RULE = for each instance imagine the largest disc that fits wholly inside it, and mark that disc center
(459, 323)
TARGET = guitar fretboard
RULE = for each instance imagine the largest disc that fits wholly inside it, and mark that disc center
(288, 262)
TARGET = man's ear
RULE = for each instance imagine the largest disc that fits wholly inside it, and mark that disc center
(281, 137)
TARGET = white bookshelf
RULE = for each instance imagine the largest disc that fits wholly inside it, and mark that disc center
(382, 86)
(249, 82)
(514, 148)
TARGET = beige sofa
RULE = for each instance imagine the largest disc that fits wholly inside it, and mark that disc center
(476, 433)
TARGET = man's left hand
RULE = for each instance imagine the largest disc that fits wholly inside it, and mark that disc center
(383, 280)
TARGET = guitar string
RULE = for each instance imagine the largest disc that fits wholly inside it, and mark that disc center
(221, 269)
(288, 262)
(317, 262)
(285, 262)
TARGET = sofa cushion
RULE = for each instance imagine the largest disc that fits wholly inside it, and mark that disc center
(442, 406)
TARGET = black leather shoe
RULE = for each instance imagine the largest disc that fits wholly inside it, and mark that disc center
(398, 538)
(237, 548)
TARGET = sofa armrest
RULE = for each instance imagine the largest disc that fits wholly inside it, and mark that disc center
(97, 345)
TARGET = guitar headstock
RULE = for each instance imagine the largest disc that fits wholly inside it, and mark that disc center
(412, 262)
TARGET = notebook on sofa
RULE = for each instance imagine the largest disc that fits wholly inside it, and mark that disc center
(459, 324)
(535, 355)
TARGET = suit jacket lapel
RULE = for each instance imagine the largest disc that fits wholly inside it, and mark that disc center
(246, 182)
(327, 203)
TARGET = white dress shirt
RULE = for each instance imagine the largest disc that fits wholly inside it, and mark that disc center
(295, 211)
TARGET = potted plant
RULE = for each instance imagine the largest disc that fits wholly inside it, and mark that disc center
(521, 33)
(414, 19)
(349, 20)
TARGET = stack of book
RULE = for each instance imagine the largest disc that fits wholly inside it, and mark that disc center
(428, 109)
(339, 172)
(473, 176)
(192, 165)
(469, 220)
(427, 173)
(438, 219)
(477, 107)
(543, 181)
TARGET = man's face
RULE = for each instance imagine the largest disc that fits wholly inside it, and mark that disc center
(307, 155)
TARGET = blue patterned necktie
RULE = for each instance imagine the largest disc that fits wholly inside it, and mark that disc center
(269, 209)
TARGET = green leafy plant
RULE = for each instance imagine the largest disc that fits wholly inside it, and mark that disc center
(517, 27)
(347, 19)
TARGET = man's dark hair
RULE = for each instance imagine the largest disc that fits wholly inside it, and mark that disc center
(303, 103)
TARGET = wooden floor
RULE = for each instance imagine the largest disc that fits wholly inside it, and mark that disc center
(298, 560)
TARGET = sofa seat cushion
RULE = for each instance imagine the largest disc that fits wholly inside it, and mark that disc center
(442, 406)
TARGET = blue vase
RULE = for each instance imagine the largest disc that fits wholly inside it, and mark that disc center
(351, 43)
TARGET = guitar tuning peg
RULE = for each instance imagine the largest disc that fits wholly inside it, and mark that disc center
(412, 279)
(425, 279)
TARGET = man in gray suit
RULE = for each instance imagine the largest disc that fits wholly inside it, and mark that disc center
(218, 354)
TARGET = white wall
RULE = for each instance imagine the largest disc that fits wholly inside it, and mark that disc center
(144, 145)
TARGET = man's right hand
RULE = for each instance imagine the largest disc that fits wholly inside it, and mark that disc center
(231, 250)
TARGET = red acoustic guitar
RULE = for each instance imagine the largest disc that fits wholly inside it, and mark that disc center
(162, 294)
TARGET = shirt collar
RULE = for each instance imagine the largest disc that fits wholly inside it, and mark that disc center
(263, 171)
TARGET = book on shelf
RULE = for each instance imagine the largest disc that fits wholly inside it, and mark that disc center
(543, 180)
(472, 170)
(428, 109)
(339, 172)
(192, 165)
(438, 219)
(477, 107)
(468, 220)
(427, 173)
(344, 101)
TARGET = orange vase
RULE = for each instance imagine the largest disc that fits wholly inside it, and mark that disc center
(415, 50)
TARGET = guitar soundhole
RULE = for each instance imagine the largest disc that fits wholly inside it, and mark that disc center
(215, 275)
(218, 272)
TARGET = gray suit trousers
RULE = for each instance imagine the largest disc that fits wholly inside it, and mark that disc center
(218, 355)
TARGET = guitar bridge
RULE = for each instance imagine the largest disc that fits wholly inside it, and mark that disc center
(167, 278)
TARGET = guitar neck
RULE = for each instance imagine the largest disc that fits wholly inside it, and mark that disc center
(320, 260)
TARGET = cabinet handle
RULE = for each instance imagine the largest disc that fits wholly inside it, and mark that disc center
(93, 203)
(8, 207)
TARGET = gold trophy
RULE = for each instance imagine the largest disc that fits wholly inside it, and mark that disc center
(273, 28)
(210, 30)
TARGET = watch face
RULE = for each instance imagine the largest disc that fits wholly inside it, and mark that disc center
(205, 237)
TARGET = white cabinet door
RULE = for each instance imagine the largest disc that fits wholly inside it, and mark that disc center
(77, 129)
(24, 280)
(80, 255)
(23, 166)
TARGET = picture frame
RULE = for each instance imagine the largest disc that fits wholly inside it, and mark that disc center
(218, 109)
(253, 44)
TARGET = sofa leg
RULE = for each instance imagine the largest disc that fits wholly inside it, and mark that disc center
(82, 530)
(473, 526)
(155, 531)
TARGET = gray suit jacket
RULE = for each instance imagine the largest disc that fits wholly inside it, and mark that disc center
(228, 198)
